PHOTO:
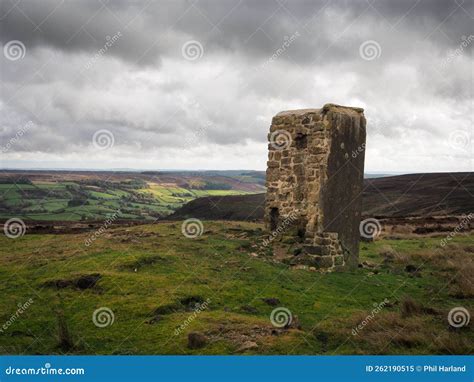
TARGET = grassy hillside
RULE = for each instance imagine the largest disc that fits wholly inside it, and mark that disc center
(151, 278)
(78, 196)
(395, 196)
(236, 207)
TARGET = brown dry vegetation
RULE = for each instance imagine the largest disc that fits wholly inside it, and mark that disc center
(418, 323)
(455, 264)
(393, 329)
(390, 255)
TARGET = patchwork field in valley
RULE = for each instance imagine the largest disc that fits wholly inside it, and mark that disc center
(82, 196)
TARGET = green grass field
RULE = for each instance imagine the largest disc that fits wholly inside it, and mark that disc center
(151, 275)
(73, 201)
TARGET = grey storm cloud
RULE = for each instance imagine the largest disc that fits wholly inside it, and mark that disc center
(120, 65)
(256, 28)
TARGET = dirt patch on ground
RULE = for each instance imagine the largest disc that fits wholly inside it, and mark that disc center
(81, 282)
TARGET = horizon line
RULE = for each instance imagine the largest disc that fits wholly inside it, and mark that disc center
(74, 169)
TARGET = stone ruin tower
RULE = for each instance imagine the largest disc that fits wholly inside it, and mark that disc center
(314, 183)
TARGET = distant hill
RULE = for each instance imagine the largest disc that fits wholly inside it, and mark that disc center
(235, 207)
(429, 194)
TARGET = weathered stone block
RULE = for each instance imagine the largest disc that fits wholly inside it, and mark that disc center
(313, 249)
(273, 164)
(322, 241)
(323, 262)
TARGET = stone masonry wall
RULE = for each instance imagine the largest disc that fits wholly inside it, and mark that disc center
(313, 174)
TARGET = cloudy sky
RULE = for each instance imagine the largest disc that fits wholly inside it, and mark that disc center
(194, 84)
